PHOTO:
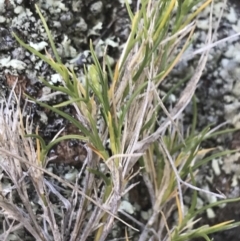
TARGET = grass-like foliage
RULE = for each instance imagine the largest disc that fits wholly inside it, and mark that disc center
(126, 102)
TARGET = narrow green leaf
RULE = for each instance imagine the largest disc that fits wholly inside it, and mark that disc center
(57, 88)
(101, 175)
(66, 137)
(49, 35)
(65, 103)
(43, 145)
(66, 116)
(54, 65)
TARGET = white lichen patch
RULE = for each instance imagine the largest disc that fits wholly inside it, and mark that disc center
(71, 176)
(123, 2)
(39, 46)
(82, 25)
(203, 24)
(56, 78)
(230, 166)
(111, 43)
(230, 53)
(100, 48)
(54, 6)
(95, 29)
(81, 58)
(22, 18)
(234, 182)
(232, 114)
(18, 10)
(127, 207)
(2, 19)
(38, 64)
(200, 203)
(110, 60)
(14, 63)
(145, 215)
(96, 7)
(236, 89)
(216, 167)
(46, 91)
(210, 213)
(65, 49)
(217, 7)
(207, 196)
(236, 120)
(2, 6)
(236, 27)
(43, 117)
(5, 188)
(232, 16)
